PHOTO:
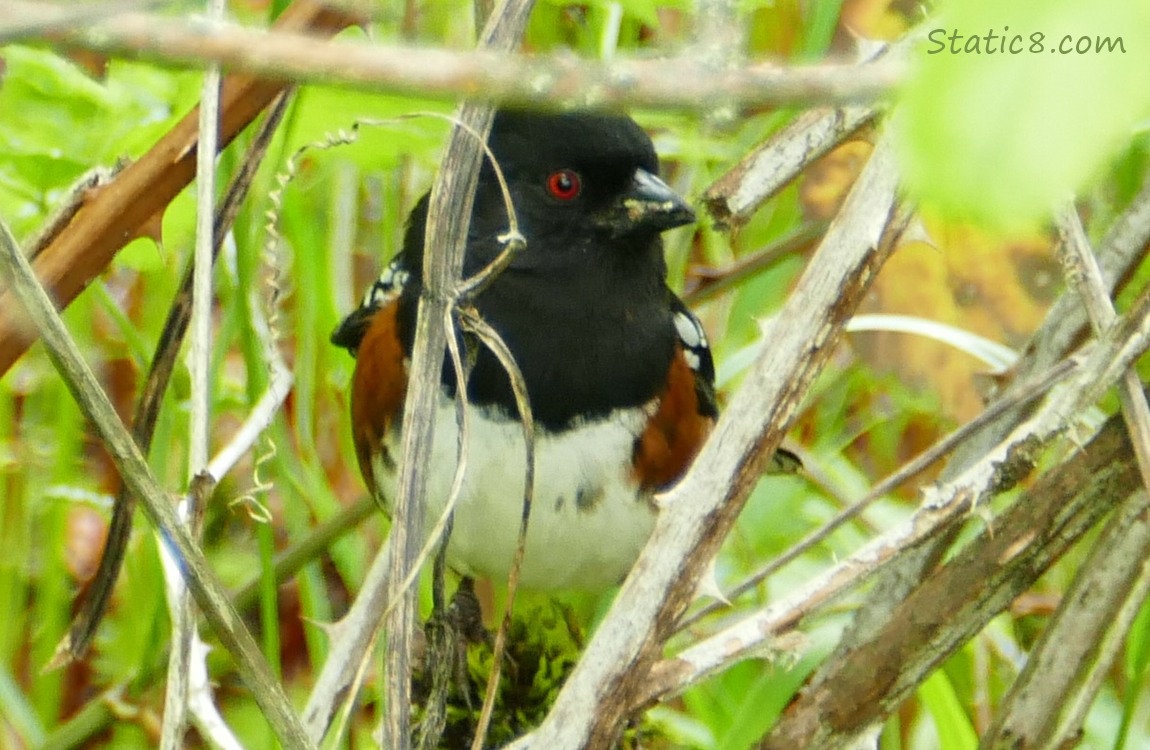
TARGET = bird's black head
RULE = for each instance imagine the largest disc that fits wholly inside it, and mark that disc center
(580, 183)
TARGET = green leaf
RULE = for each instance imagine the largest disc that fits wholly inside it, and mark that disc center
(56, 123)
(950, 720)
(1007, 112)
(1137, 661)
(323, 113)
(822, 21)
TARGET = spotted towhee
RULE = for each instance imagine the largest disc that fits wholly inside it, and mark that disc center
(617, 369)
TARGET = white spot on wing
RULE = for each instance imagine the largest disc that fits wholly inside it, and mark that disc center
(387, 287)
(689, 331)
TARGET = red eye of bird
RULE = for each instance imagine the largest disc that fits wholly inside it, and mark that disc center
(564, 184)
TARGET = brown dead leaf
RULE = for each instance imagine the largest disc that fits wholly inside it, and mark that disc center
(875, 19)
(94, 64)
(999, 289)
(826, 182)
(84, 536)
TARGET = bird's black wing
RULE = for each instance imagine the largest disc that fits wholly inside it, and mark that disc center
(697, 350)
(382, 292)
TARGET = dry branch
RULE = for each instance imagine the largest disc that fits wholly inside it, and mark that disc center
(448, 218)
(1048, 702)
(95, 600)
(735, 196)
(351, 639)
(1124, 246)
(187, 684)
(683, 82)
(958, 599)
(1019, 395)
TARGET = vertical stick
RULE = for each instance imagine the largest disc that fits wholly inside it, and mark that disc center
(179, 600)
(449, 215)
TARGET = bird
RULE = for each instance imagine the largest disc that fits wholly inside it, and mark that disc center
(618, 371)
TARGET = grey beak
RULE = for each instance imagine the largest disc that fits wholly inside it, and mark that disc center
(650, 204)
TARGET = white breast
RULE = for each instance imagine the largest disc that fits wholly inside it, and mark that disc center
(588, 520)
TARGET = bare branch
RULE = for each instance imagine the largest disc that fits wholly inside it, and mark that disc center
(957, 599)
(351, 640)
(1059, 333)
(1049, 700)
(1081, 268)
(95, 601)
(684, 82)
(1119, 252)
(735, 196)
(50, 17)
(255, 423)
(715, 281)
(767, 169)
(1020, 394)
(310, 548)
(182, 686)
(1014, 457)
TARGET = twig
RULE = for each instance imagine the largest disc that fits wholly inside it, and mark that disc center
(54, 17)
(1048, 702)
(1039, 516)
(345, 665)
(957, 599)
(254, 424)
(351, 639)
(205, 587)
(754, 633)
(1081, 269)
(1058, 334)
(513, 243)
(69, 205)
(735, 196)
(944, 503)
(759, 175)
(182, 688)
(682, 82)
(715, 281)
(1119, 253)
(719, 44)
(494, 342)
(308, 549)
(1020, 394)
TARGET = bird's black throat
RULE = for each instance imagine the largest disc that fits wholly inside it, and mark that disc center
(578, 360)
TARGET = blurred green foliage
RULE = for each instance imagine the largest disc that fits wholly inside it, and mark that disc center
(1013, 107)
